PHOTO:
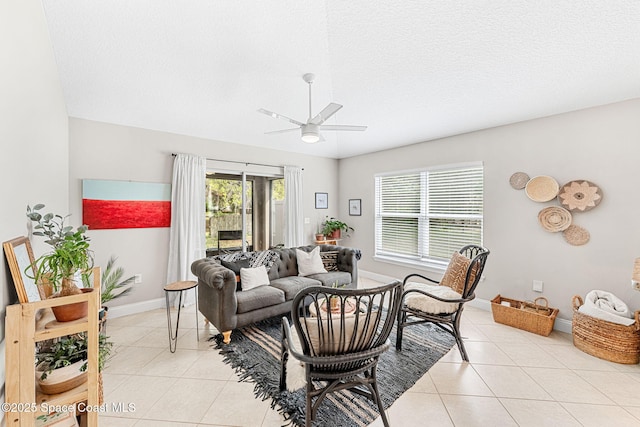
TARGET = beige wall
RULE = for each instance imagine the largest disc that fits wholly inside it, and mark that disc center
(598, 144)
(33, 131)
(108, 151)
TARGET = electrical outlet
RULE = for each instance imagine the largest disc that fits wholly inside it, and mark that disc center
(538, 285)
(635, 285)
(137, 278)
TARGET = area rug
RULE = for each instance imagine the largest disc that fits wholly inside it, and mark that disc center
(254, 352)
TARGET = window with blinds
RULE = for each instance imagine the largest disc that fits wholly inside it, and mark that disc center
(426, 215)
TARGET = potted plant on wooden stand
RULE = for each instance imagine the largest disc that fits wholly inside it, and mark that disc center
(61, 363)
(69, 256)
(333, 228)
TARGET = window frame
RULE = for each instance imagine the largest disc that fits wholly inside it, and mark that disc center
(421, 260)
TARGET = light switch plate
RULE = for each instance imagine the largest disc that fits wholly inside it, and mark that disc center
(538, 285)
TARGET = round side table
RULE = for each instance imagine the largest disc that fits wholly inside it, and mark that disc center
(179, 287)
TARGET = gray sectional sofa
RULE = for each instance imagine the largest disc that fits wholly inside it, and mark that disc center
(227, 307)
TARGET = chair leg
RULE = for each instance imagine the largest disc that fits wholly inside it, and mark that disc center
(374, 384)
(308, 419)
(458, 337)
(402, 317)
(284, 357)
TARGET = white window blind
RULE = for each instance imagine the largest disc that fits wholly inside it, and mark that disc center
(426, 215)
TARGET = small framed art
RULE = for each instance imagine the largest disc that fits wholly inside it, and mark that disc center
(355, 207)
(322, 201)
(21, 265)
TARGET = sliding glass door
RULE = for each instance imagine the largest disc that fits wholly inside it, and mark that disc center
(225, 205)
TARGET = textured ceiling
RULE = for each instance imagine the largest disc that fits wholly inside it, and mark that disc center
(411, 71)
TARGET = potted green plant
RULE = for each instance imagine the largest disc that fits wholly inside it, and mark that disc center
(70, 255)
(112, 285)
(333, 228)
(334, 300)
(319, 235)
(61, 363)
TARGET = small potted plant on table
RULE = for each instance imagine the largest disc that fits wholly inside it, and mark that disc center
(333, 228)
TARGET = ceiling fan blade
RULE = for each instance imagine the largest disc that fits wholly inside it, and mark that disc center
(279, 116)
(342, 127)
(323, 115)
(281, 131)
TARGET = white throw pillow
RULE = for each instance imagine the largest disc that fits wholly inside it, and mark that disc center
(253, 277)
(309, 262)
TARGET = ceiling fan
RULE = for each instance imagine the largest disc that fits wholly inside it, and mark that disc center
(311, 129)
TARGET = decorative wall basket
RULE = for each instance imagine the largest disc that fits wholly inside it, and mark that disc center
(580, 195)
(519, 180)
(542, 188)
(576, 235)
(554, 218)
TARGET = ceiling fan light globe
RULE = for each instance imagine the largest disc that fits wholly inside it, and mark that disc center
(310, 137)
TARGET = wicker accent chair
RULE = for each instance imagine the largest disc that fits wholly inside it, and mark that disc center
(442, 303)
(340, 347)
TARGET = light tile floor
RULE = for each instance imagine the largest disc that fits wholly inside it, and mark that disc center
(515, 378)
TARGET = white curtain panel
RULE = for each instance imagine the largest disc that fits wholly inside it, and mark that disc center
(187, 239)
(293, 213)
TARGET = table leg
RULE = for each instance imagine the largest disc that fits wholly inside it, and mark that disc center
(173, 337)
(197, 326)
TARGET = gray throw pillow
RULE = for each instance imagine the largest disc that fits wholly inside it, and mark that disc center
(235, 266)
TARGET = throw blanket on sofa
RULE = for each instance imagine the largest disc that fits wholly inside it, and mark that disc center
(606, 306)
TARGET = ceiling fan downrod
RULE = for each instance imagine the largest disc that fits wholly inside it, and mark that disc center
(309, 77)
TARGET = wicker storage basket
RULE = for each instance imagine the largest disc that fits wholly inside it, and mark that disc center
(531, 317)
(603, 339)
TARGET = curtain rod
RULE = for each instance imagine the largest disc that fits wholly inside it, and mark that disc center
(242, 163)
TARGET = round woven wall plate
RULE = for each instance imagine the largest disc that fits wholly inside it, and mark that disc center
(554, 218)
(580, 195)
(542, 188)
(519, 180)
(576, 235)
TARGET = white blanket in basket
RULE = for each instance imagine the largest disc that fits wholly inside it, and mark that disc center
(606, 306)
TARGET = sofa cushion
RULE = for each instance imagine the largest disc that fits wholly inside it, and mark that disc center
(235, 266)
(266, 258)
(233, 256)
(293, 284)
(309, 262)
(330, 260)
(260, 297)
(427, 304)
(287, 266)
(456, 273)
(328, 279)
(253, 277)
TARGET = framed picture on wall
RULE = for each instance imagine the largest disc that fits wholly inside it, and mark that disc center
(355, 207)
(322, 201)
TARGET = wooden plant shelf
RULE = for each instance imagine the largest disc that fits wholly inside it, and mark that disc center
(25, 325)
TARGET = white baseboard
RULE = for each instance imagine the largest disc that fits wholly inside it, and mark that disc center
(136, 307)
(560, 325)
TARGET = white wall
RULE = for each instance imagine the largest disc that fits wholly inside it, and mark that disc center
(33, 131)
(599, 144)
(108, 151)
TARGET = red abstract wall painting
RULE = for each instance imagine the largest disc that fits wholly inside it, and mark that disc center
(125, 204)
